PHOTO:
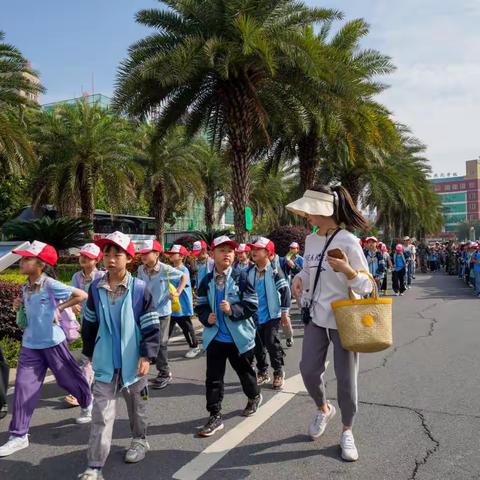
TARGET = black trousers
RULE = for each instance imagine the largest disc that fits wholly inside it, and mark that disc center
(398, 279)
(217, 355)
(268, 340)
(185, 323)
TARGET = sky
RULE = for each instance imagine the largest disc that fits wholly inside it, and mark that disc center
(77, 45)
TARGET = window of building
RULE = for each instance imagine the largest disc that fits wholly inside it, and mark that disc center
(454, 186)
(473, 206)
(437, 188)
(463, 186)
(471, 184)
(472, 196)
(447, 188)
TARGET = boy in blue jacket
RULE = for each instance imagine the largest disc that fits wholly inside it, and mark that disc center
(273, 306)
(121, 336)
(226, 303)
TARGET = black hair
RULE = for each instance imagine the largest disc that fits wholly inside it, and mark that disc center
(345, 211)
(47, 269)
(111, 246)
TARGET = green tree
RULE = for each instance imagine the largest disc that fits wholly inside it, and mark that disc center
(16, 83)
(214, 175)
(79, 146)
(216, 65)
(170, 172)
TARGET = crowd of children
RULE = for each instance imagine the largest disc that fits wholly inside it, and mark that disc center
(242, 298)
(400, 260)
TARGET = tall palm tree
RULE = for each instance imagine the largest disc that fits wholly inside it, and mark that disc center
(215, 65)
(16, 84)
(171, 172)
(79, 146)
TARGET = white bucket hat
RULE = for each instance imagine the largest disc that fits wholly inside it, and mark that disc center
(313, 203)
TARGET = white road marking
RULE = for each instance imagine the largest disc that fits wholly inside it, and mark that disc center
(217, 450)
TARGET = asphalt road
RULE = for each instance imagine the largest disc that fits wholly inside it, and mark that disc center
(419, 414)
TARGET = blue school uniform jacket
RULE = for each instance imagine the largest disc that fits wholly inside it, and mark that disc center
(240, 293)
(276, 289)
(140, 333)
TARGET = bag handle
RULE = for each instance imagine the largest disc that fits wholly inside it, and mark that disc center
(319, 268)
(374, 283)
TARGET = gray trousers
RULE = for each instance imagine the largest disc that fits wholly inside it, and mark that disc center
(105, 397)
(312, 367)
(162, 357)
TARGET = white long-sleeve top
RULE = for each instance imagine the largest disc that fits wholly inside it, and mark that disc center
(331, 285)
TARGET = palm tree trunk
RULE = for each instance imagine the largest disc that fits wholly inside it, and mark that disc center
(159, 210)
(209, 212)
(86, 195)
(307, 159)
(241, 138)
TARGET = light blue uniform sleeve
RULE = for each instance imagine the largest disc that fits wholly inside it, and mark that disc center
(173, 273)
(59, 290)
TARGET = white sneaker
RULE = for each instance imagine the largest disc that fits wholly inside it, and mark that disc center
(13, 445)
(349, 450)
(320, 421)
(192, 353)
(136, 453)
(91, 474)
(85, 415)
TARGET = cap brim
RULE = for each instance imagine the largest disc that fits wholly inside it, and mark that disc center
(230, 242)
(101, 242)
(196, 252)
(309, 206)
(24, 253)
(89, 255)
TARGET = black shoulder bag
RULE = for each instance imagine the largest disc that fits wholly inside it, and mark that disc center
(306, 311)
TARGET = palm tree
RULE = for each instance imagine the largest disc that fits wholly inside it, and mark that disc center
(15, 85)
(81, 146)
(171, 173)
(338, 91)
(215, 65)
(214, 174)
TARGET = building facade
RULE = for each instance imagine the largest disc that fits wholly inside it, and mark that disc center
(460, 196)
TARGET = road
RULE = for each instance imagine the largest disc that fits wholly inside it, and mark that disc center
(419, 413)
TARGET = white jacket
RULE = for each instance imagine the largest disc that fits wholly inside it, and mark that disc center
(331, 285)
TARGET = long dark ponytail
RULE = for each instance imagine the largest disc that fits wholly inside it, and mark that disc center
(346, 211)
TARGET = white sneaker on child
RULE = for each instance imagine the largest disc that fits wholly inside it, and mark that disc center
(85, 415)
(349, 450)
(320, 421)
(13, 445)
(138, 448)
(194, 352)
(91, 474)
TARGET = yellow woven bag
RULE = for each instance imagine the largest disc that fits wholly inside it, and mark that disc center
(364, 325)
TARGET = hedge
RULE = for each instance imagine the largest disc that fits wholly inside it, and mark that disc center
(8, 325)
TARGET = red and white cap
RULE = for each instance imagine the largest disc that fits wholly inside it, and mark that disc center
(198, 246)
(399, 248)
(371, 239)
(223, 240)
(120, 240)
(179, 249)
(294, 245)
(40, 250)
(148, 246)
(265, 243)
(92, 251)
(243, 248)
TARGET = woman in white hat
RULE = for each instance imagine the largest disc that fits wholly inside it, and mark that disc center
(339, 256)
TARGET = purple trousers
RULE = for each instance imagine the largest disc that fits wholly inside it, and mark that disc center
(31, 370)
